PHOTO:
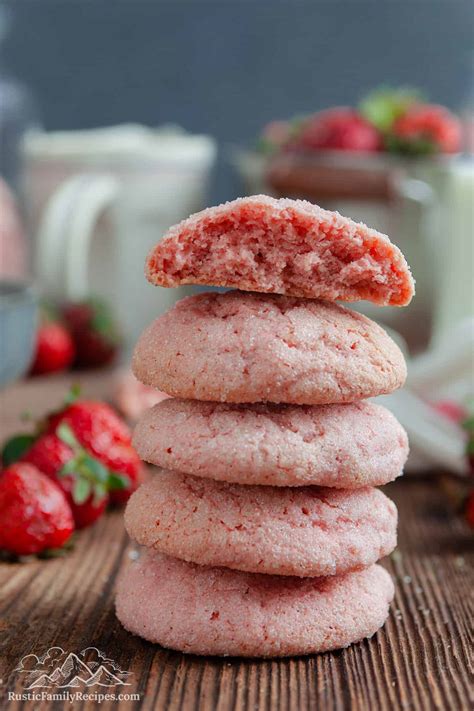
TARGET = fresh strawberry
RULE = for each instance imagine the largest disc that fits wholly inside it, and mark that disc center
(426, 128)
(82, 478)
(94, 333)
(34, 513)
(95, 424)
(341, 129)
(49, 454)
(54, 349)
(86, 447)
(107, 437)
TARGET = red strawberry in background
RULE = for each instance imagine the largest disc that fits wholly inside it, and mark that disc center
(94, 333)
(397, 120)
(34, 513)
(54, 346)
(340, 129)
(426, 128)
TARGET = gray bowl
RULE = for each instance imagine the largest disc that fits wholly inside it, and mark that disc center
(18, 319)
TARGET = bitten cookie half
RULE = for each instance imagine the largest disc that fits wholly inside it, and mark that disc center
(282, 246)
(216, 611)
(344, 446)
(306, 531)
(243, 347)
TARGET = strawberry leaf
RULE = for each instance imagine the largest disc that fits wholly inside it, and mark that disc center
(16, 447)
(117, 482)
(81, 490)
(385, 105)
(66, 434)
(90, 474)
(421, 146)
(468, 424)
(95, 468)
(73, 394)
(71, 467)
(100, 492)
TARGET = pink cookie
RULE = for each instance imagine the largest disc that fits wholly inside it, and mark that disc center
(243, 347)
(223, 612)
(345, 446)
(284, 247)
(306, 531)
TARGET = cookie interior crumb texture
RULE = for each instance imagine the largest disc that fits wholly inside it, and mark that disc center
(282, 246)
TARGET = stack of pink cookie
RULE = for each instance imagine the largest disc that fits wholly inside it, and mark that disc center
(263, 527)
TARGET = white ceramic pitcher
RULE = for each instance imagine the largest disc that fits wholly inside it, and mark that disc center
(99, 200)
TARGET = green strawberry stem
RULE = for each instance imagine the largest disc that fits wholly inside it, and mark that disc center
(73, 394)
(91, 476)
(413, 147)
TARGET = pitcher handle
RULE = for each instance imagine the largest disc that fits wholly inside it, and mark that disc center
(66, 231)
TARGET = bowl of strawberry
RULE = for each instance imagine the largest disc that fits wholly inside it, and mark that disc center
(63, 474)
(350, 152)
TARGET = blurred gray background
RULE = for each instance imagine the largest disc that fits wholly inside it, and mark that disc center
(226, 67)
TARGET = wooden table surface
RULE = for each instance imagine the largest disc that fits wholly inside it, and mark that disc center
(421, 659)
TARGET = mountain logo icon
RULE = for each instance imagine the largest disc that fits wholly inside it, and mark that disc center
(59, 669)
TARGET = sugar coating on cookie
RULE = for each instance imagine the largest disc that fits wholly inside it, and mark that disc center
(344, 446)
(245, 347)
(282, 246)
(305, 531)
(216, 611)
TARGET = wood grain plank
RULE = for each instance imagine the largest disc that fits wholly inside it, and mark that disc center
(421, 660)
